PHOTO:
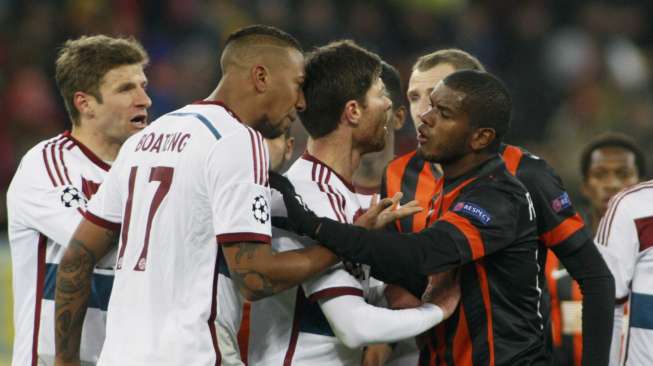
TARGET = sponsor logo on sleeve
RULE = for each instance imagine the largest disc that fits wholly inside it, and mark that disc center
(561, 202)
(261, 209)
(473, 211)
(71, 197)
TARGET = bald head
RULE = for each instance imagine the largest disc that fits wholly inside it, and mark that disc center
(248, 45)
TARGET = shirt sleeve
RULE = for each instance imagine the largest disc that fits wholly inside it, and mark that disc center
(105, 208)
(559, 225)
(618, 242)
(238, 191)
(45, 203)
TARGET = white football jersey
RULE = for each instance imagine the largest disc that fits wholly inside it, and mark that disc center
(625, 236)
(289, 328)
(193, 180)
(45, 201)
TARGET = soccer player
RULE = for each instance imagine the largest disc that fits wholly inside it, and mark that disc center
(189, 201)
(610, 162)
(483, 223)
(326, 320)
(560, 227)
(102, 83)
(625, 236)
(368, 175)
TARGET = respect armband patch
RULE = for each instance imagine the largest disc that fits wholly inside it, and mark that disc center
(561, 202)
(473, 211)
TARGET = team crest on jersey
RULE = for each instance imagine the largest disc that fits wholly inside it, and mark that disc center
(473, 211)
(71, 197)
(561, 202)
(261, 209)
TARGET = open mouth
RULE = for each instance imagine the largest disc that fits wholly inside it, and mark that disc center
(139, 121)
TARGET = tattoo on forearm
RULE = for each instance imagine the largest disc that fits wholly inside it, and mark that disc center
(72, 290)
(255, 282)
(247, 250)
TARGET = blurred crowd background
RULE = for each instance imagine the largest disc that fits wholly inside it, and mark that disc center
(575, 68)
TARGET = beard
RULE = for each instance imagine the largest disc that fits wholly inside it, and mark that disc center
(268, 129)
(448, 156)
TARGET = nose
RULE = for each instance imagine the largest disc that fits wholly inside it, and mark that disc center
(426, 117)
(142, 99)
(301, 102)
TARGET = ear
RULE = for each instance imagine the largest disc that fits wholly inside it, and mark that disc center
(290, 148)
(482, 138)
(399, 118)
(82, 102)
(260, 76)
(352, 112)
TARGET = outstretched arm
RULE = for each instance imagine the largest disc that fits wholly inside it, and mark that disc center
(88, 245)
(260, 272)
(588, 268)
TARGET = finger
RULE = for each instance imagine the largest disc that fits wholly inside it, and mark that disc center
(375, 200)
(396, 198)
(402, 212)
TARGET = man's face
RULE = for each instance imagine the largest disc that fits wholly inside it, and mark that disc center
(286, 95)
(611, 169)
(373, 126)
(123, 110)
(421, 85)
(443, 136)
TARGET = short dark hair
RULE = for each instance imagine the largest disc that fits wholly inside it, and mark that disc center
(82, 63)
(392, 81)
(264, 34)
(242, 44)
(458, 59)
(487, 101)
(335, 74)
(612, 139)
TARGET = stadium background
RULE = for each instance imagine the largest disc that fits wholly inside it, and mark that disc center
(575, 68)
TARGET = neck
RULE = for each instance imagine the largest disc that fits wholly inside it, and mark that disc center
(372, 165)
(463, 165)
(105, 149)
(233, 94)
(336, 152)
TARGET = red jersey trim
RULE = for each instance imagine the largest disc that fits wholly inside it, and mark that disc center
(307, 156)
(89, 154)
(329, 293)
(239, 237)
(563, 231)
(100, 221)
(644, 227)
(40, 281)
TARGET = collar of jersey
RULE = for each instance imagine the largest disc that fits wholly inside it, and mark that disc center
(309, 157)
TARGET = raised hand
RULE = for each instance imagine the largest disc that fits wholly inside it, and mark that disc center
(383, 212)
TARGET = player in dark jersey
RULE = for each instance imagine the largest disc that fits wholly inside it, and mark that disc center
(560, 228)
(483, 223)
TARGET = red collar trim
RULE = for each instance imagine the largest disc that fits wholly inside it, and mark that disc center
(89, 154)
(309, 157)
(221, 104)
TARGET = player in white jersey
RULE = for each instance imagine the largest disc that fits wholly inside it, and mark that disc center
(102, 82)
(625, 237)
(190, 193)
(326, 320)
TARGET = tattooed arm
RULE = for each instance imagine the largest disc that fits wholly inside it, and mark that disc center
(88, 245)
(260, 272)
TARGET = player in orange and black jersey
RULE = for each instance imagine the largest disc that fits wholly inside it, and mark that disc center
(560, 228)
(482, 223)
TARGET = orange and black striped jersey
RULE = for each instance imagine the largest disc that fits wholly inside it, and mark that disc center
(483, 223)
(417, 179)
(559, 226)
